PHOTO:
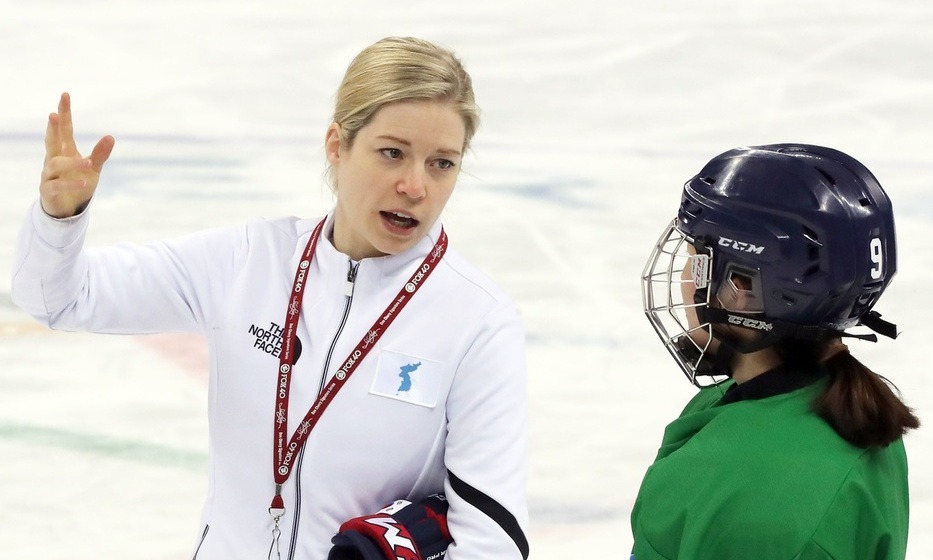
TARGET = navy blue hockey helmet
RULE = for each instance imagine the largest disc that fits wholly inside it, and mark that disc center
(809, 230)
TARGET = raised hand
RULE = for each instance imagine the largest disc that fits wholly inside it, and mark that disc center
(68, 179)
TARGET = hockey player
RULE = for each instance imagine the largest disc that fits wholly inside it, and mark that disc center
(795, 450)
(311, 324)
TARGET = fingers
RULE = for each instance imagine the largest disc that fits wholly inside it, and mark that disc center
(67, 128)
(101, 152)
(68, 180)
(60, 141)
(53, 139)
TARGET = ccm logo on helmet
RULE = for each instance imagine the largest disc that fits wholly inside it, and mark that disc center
(750, 323)
(741, 245)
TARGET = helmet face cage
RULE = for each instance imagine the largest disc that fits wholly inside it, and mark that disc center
(673, 266)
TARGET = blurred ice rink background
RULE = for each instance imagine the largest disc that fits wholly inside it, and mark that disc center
(594, 114)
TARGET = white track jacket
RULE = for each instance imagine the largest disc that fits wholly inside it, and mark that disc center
(458, 428)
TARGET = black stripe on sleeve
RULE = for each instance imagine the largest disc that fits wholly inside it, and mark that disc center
(493, 509)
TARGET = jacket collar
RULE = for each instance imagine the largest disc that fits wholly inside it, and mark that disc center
(389, 265)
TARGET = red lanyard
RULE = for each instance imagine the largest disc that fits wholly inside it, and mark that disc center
(284, 455)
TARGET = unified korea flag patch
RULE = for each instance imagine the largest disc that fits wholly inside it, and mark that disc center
(407, 378)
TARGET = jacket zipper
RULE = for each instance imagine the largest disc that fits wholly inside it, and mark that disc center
(348, 292)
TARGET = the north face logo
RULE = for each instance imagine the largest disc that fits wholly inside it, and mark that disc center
(269, 340)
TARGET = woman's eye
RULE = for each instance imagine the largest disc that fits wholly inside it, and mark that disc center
(391, 153)
(446, 164)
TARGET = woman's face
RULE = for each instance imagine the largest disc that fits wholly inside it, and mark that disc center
(736, 297)
(688, 290)
(395, 180)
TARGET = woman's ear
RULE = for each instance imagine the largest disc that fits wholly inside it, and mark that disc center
(332, 144)
(734, 294)
(742, 282)
(743, 286)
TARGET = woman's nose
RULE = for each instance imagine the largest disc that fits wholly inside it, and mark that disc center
(412, 184)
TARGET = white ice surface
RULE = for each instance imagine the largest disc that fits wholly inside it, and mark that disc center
(594, 114)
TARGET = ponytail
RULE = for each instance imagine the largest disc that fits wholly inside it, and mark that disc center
(861, 405)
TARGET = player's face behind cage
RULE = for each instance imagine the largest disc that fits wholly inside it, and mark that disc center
(674, 286)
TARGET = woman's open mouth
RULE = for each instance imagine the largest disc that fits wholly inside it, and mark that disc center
(399, 221)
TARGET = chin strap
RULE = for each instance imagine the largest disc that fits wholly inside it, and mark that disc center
(773, 331)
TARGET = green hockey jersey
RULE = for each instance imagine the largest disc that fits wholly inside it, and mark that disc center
(768, 479)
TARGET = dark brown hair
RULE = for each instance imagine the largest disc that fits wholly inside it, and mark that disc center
(863, 407)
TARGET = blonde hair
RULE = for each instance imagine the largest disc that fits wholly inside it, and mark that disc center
(397, 69)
